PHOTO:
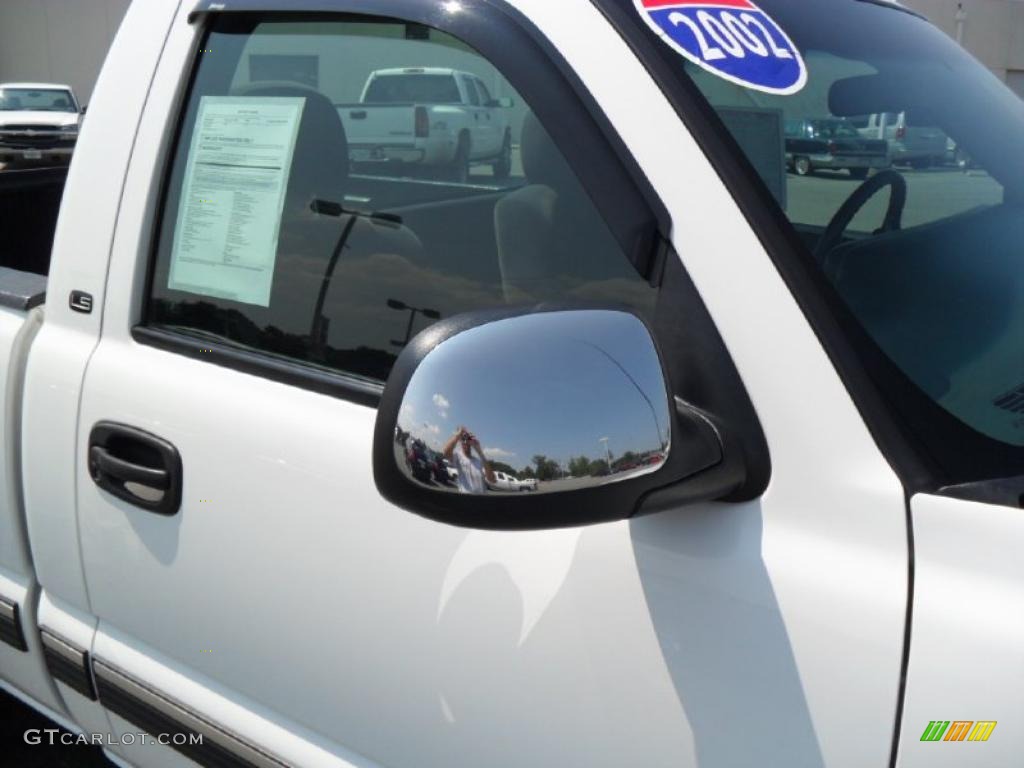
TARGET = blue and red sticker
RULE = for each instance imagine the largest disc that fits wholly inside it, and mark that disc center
(733, 39)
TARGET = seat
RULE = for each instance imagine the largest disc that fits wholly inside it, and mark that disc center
(550, 236)
(320, 167)
(307, 239)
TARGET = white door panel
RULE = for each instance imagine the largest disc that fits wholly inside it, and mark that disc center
(248, 721)
(966, 659)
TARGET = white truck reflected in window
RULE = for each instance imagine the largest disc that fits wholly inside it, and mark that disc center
(427, 122)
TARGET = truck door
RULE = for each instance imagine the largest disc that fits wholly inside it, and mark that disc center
(249, 582)
(477, 112)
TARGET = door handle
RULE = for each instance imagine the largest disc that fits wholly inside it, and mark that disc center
(135, 466)
(105, 463)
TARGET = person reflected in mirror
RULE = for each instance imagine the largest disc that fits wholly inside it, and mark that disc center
(465, 453)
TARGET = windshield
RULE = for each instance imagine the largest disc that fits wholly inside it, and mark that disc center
(932, 264)
(422, 89)
(41, 100)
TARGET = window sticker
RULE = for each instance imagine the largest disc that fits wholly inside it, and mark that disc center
(733, 39)
(229, 218)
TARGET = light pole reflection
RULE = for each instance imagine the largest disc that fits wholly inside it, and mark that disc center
(401, 306)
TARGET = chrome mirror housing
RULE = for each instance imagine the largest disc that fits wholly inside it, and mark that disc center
(533, 420)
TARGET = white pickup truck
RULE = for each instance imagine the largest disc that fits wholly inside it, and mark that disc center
(38, 123)
(506, 482)
(212, 549)
(429, 118)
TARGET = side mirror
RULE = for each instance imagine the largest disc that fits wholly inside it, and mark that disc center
(538, 419)
(504, 103)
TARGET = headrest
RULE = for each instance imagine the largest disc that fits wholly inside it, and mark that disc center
(542, 162)
(321, 164)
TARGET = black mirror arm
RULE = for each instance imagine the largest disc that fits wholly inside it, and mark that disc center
(716, 460)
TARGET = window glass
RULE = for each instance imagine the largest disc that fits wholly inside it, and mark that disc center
(471, 93)
(892, 102)
(330, 225)
(415, 87)
(297, 69)
(485, 95)
(36, 100)
(823, 175)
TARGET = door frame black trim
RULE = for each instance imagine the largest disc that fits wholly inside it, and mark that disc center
(908, 628)
(1006, 492)
(263, 365)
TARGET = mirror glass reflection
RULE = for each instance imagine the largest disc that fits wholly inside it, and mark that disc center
(541, 403)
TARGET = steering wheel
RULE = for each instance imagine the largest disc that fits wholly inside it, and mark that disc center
(893, 216)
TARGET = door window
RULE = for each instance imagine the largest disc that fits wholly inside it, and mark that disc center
(329, 225)
(471, 93)
(485, 95)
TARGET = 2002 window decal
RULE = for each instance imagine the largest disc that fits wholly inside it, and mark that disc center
(733, 39)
